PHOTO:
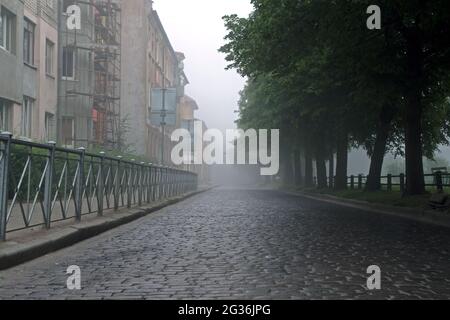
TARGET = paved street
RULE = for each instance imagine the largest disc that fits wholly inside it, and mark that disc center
(247, 244)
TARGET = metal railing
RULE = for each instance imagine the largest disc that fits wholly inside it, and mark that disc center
(41, 184)
(438, 180)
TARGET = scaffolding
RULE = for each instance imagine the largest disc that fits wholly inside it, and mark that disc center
(93, 93)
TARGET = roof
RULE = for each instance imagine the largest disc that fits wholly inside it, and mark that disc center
(191, 101)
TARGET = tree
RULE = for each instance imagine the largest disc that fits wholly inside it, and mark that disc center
(383, 89)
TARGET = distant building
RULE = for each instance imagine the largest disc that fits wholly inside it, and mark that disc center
(89, 76)
(187, 109)
(148, 61)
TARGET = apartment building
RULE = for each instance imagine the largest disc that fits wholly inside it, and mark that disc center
(28, 64)
(148, 61)
(89, 87)
(11, 63)
(40, 43)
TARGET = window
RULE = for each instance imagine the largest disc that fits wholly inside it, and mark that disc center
(28, 42)
(67, 131)
(5, 115)
(68, 63)
(27, 111)
(49, 126)
(49, 57)
(7, 30)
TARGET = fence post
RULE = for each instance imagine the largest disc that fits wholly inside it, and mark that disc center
(166, 180)
(148, 170)
(130, 185)
(389, 182)
(168, 173)
(352, 182)
(152, 182)
(439, 185)
(5, 150)
(140, 183)
(402, 183)
(79, 186)
(48, 185)
(101, 185)
(117, 184)
(360, 183)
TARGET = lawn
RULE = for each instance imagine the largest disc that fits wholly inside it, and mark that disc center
(393, 198)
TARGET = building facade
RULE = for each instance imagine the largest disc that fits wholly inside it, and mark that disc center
(187, 108)
(28, 85)
(40, 43)
(90, 86)
(148, 61)
(11, 63)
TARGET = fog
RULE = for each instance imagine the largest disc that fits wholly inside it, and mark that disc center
(196, 28)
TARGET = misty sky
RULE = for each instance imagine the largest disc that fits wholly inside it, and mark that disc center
(196, 28)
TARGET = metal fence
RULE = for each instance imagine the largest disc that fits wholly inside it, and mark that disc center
(41, 184)
(438, 180)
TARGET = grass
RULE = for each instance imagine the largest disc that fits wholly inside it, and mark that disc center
(393, 198)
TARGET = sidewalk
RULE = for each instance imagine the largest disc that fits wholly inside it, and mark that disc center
(422, 215)
(26, 245)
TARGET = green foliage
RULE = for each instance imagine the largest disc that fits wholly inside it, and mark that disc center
(316, 70)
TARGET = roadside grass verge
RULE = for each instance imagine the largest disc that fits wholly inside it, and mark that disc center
(392, 198)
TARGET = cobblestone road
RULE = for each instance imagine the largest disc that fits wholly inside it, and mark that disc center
(247, 244)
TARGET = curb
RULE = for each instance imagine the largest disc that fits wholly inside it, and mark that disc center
(13, 253)
(420, 215)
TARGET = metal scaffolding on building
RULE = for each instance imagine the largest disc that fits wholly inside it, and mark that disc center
(97, 73)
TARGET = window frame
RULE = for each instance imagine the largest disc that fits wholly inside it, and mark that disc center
(64, 74)
(26, 117)
(8, 30)
(5, 115)
(72, 129)
(49, 57)
(49, 126)
(29, 29)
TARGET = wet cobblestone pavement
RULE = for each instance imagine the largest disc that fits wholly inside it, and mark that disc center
(247, 244)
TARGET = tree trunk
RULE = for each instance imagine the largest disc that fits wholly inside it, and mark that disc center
(415, 181)
(308, 167)
(379, 150)
(321, 166)
(286, 167)
(321, 171)
(341, 161)
(331, 171)
(298, 168)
